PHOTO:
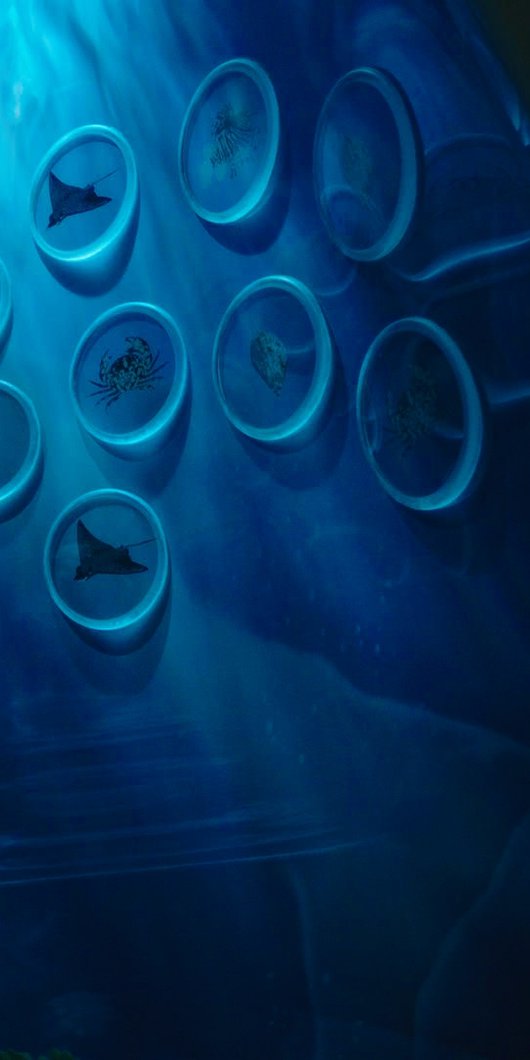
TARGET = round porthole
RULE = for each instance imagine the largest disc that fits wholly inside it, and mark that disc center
(83, 206)
(20, 449)
(129, 377)
(366, 164)
(273, 361)
(229, 143)
(419, 415)
(106, 564)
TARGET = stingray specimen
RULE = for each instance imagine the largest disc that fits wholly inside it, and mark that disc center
(68, 199)
(97, 557)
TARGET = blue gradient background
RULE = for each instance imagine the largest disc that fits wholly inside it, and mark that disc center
(294, 824)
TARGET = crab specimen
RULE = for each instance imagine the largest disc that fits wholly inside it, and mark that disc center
(136, 369)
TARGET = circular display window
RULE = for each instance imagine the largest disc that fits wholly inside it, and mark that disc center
(129, 377)
(419, 415)
(106, 561)
(229, 143)
(273, 361)
(366, 164)
(83, 199)
(5, 303)
(20, 449)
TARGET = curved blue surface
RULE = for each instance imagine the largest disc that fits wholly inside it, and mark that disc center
(476, 208)
(6, 304)
(22, 450)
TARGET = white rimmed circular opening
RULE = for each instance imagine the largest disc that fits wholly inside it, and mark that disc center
(273, 361)
(106, 561)
(419, 415)
(83, 198)
(20, 448)
(229, 143)
(366, 164)
(129, 377)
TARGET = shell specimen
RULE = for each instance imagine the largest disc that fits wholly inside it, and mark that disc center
(269, 357)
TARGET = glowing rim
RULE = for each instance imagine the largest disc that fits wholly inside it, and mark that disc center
(321, 383)
(154, 594)
(467, 463)
(399, 223)
(30, 465)
(125, 215)
(168, 412)
(5, 301)
(259, 187)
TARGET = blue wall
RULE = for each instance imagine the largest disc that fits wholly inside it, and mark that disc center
(328, 732)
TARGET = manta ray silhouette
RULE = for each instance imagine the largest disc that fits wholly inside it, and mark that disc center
(67, 199)
(97, 557)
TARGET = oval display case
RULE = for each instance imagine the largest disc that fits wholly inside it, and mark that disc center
(6, 305)
(84, 205)
(20, 450)
(366, 164)
(420, 416)
(129, 378)
(273, 364)
(229, 143)
(106, 565)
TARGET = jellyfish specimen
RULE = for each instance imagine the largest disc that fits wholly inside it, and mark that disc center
(232, 130)
(269, 357)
